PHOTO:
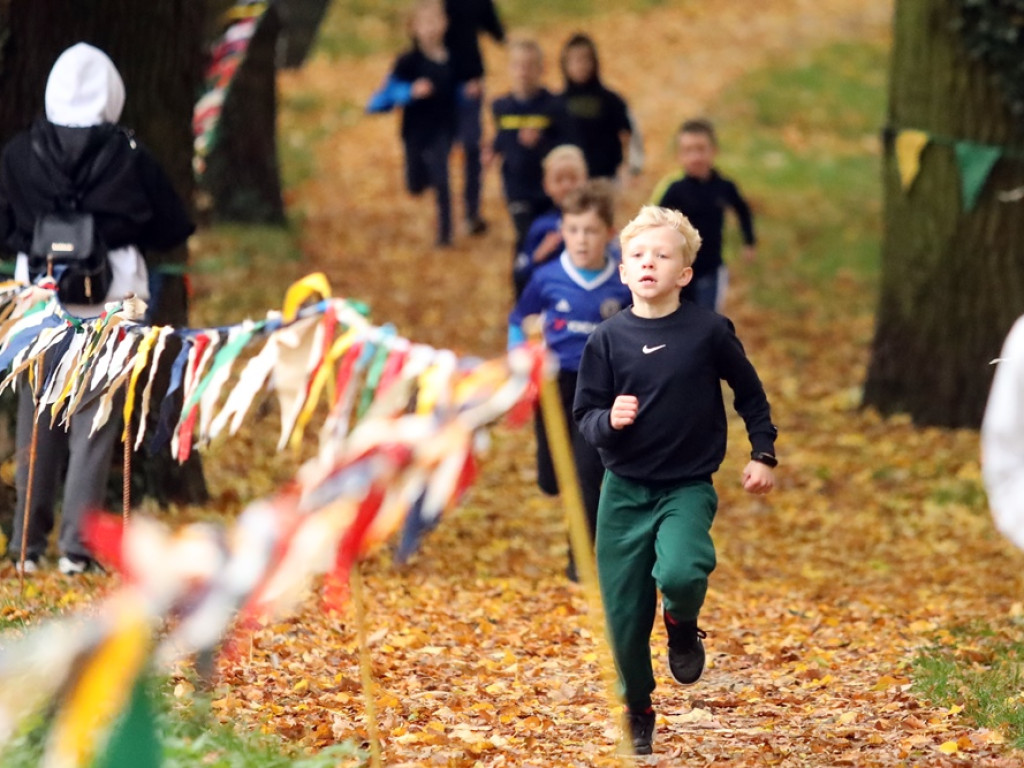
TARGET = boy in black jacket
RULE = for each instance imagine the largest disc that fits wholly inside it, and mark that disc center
(530, 122)
(423, 84)
(702, 195)
(649, 398)
(598, 117)
(136, 210)
(466, 20)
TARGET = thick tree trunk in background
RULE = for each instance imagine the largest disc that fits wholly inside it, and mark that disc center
(301, 21)
(242, 173)
(157, 47)
(952, 281)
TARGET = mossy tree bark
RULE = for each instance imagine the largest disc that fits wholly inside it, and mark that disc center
(952, 280)
(301, 22)
(242, 172)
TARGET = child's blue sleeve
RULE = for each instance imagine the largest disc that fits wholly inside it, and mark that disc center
(530, 303)
(393, 93)
(515, 335)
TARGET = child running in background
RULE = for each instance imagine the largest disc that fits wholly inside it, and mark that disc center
(649, 398)
(598, 117)
(530, 122)
(467, 19)
(574, 293)
(565, 171)
(702, 195)
(423, 84)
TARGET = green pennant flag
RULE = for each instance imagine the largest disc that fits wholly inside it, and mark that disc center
(134, 741)
(975, 162)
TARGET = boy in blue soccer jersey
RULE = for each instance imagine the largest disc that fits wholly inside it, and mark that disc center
(565, 171)
(574, 293)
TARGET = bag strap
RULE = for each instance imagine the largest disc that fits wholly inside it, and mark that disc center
(68, 193)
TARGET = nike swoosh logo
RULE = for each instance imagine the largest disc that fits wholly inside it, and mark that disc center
(648, 350)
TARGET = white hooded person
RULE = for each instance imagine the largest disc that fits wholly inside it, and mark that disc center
(1002, 438)
(78, 159)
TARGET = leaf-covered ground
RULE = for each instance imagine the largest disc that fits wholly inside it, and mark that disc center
(876, 542)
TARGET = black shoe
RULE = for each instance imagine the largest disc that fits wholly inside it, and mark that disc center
(685, 650)
(476, 226)
(641, 731)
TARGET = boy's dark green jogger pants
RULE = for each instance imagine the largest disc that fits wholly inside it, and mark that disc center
(651, 539)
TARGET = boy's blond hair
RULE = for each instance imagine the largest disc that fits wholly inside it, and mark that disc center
(652, 216)
(527, 44)
(565, 153)
(420, 6)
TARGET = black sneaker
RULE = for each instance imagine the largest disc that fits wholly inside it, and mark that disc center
(641, 731)
(685, 650)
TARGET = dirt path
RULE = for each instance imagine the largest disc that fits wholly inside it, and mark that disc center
(823, 592)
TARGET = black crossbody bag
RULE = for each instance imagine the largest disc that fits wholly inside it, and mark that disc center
(66, 244)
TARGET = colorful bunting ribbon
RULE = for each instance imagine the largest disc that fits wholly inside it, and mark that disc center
(396, 464)
(975, 160)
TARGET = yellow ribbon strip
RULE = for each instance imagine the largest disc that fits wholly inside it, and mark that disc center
(141, 358)
(298, 292)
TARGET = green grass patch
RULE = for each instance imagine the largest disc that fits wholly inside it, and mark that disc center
(966, 493)
(838, 89)
(363, 27)
(801, 139)
(981, 672)
(192, 736)
(264, 259)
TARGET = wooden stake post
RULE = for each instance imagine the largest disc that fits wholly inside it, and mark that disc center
(32, 449)
(365, 665)
(579, 535)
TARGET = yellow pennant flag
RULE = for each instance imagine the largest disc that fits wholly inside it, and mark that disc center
(101, 690)
(141, 357)
(909, 146)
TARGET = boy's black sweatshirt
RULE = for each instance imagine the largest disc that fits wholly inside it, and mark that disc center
(466, 19)
(703, 202)
(423, 119)
(596, 117)
(673, 365)
(522, 169)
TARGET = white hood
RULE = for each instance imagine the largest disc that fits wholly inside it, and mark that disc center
(84, 88)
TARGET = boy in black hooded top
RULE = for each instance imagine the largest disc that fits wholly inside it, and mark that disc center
(135, 208)
(598, 118)
(466, 20)
(422, 82)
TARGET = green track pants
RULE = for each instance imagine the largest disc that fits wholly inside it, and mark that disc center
(651, 539)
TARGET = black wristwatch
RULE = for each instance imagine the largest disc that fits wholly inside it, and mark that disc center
(764, 458)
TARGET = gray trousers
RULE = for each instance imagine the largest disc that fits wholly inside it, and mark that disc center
(82, 462)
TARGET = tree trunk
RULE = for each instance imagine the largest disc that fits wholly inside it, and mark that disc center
(242, 174)
(157, 48)
(301, 21)
(952, 280)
